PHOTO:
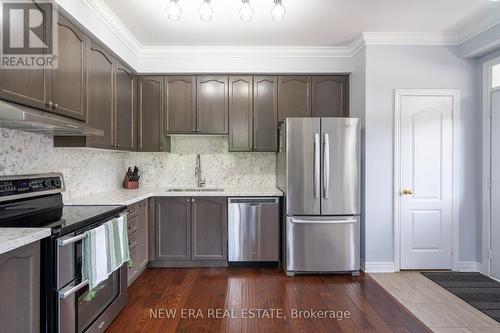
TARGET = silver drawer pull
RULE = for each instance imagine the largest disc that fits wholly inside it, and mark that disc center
(68, 291)
(71, 240)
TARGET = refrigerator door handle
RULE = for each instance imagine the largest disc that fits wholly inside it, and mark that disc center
(326, 166)
(317, 170)
(344, 221)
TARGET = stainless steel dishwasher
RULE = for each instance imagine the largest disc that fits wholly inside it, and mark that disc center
(253, 231)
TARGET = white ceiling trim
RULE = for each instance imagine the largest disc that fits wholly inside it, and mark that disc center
(149, 56)
(105, 14)
(410, 38)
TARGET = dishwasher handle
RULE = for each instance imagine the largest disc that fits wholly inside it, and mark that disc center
(253, 201)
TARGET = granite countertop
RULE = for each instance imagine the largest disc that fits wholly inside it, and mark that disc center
(13, 238)
(128, 197)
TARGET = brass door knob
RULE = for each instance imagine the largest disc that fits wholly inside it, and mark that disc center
(407, 191)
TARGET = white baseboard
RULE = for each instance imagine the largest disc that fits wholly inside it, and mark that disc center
(469, 266)
(377, 267)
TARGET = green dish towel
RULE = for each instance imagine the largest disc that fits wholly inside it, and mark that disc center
(105, 249)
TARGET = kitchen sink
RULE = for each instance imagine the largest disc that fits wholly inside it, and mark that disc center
(198, 189)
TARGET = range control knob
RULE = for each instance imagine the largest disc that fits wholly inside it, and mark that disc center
(47, 183)
(56, 182)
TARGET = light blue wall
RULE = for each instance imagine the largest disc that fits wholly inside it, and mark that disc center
(358, 110)
(398, 67)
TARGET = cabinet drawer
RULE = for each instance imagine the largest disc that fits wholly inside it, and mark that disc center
(132, 241)
(132, 210)
(133, 225)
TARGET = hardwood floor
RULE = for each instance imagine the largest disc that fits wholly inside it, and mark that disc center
(264, 293)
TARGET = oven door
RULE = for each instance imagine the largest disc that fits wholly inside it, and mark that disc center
(76, 311)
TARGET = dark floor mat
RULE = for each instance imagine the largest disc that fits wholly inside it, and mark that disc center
(476, 289)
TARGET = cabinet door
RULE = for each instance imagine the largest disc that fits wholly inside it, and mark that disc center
(209, 228)
(150, 106)
(294, 97)
(180, 104)
(212, 104)
(20, 289)
(142, 234)
(330, 96)
(240, 113)
(69, 80)
(100, 97)
(265, 108)
(31, 87)
(173, 228)
(125, 108)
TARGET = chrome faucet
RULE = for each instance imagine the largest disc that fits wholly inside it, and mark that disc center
(197, 172)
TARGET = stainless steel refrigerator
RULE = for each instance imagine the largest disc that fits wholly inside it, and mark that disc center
(318, 169)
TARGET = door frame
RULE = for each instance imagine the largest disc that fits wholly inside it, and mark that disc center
(486, 168)
(455, 221)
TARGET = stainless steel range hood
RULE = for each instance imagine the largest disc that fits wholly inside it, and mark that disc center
(19, 117)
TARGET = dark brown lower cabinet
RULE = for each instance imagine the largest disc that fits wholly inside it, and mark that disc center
(173, 228)
(209, 228)
(190, 231)
(20, 289)
(138, 239)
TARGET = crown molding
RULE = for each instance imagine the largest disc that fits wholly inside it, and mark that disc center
(108, 17)
(410, 38)
(148, 56)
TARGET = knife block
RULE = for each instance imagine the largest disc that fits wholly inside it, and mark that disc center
(130, 184)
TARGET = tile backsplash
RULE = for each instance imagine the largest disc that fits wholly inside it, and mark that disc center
(219, 167)
(86, 171)
(91, 171)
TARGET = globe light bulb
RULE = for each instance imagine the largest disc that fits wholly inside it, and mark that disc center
(174, 10)
(278, 11)
(246, 11)
(206, 11)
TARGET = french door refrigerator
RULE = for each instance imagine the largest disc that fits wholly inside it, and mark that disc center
(318, 170)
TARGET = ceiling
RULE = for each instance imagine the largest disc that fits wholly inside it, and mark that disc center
(307, 22)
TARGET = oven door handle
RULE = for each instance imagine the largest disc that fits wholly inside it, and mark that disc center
(71, 240)
(68, 291)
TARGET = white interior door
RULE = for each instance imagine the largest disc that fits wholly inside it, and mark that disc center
(495, 185)
(426, 171)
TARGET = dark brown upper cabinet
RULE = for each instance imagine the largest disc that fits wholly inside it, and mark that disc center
(294, 97)
(330, 96)
(240, 113)
(100, 97)
(125, 103)
(151, 137)
(212, 104)
(62, 90)
(265, 106)
(69, 80)
(31, 87)
(180, 104)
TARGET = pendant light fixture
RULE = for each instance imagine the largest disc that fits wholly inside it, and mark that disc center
(206, 11)
(174, 10)
(278, 11)
(246, 11)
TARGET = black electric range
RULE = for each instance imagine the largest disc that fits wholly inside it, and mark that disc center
(35, 201)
